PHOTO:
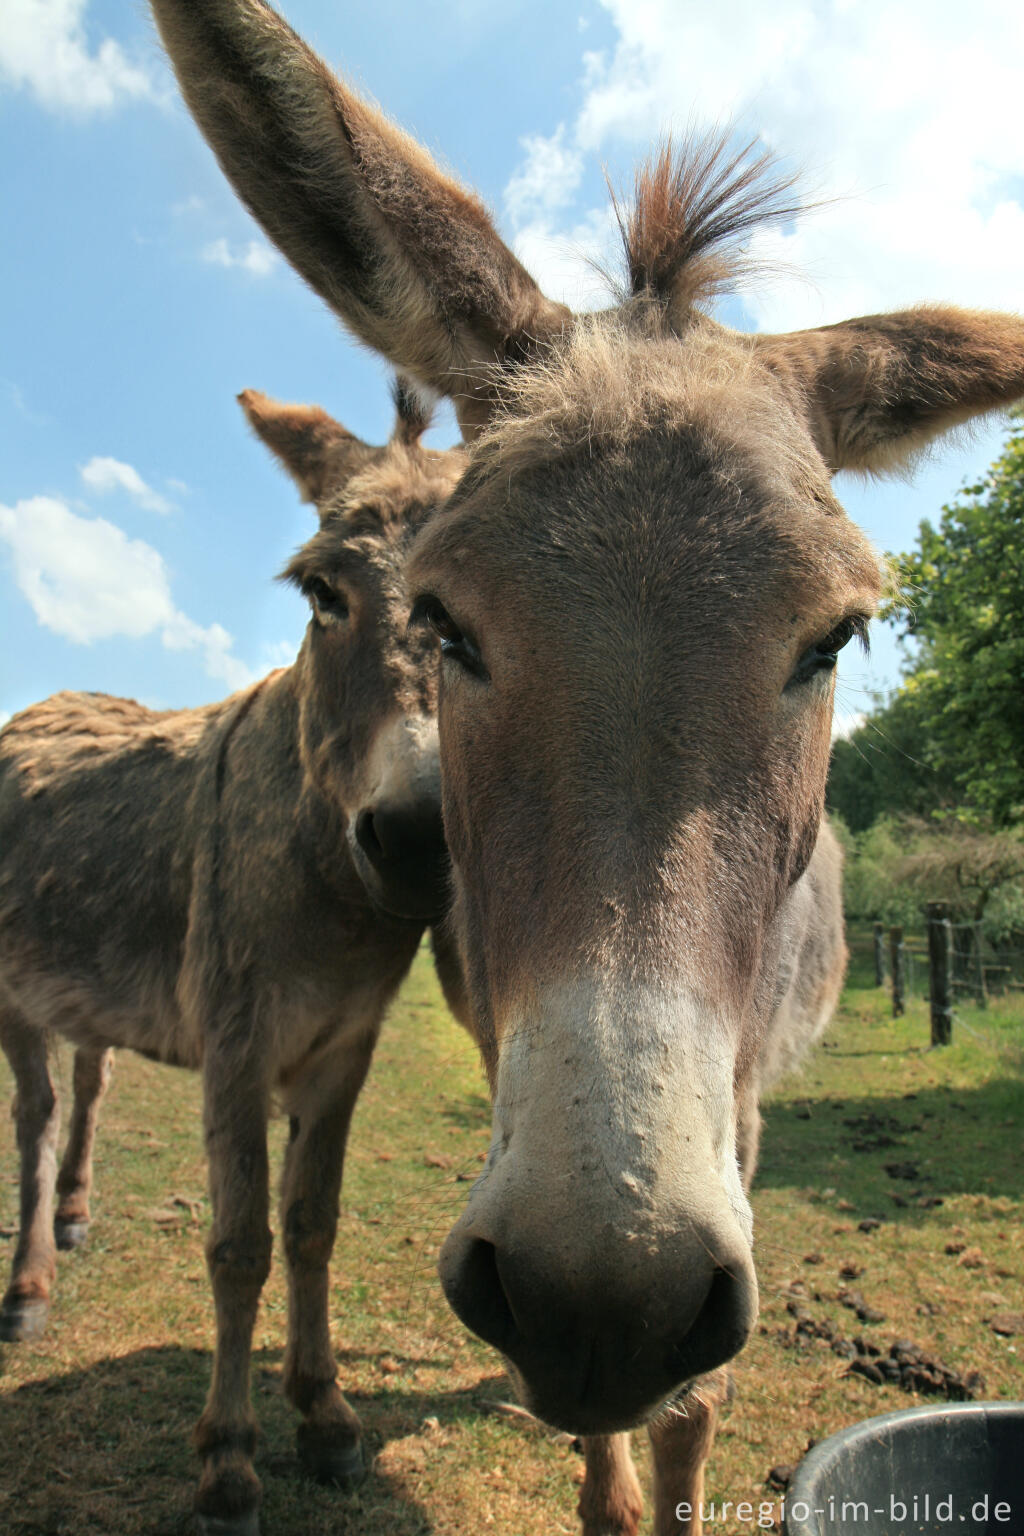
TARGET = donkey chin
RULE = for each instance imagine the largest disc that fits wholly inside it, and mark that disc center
(605, 1250)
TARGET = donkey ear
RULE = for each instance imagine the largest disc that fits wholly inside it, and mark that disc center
(316, 450)
(407, 258)
(878, 389)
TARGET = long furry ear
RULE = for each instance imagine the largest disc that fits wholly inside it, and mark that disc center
(408, 258)
(317, 451)
(412, 413)
(877, 390)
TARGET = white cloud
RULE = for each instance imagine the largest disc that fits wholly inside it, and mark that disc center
(5, 715)
(83, 577)
(568, 263)
(563, 256)
(547, 178)
(16, 396)
(256, 257)
(103, 475)
(44, 49)
(908, 120)
(86, 580)
(280, 653)
(182, 634)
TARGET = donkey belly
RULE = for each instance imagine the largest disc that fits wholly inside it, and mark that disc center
(94, 885)
(139, 1014)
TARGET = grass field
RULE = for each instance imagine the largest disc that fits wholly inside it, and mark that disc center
(95, 1418)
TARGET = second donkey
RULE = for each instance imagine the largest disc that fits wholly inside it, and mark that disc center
(240, 889)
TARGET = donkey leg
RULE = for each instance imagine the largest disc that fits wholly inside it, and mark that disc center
(681, 1442)
(238, 1258)
(74, 1180)
(330, 1436)
(610, 1500)
(37, 1114)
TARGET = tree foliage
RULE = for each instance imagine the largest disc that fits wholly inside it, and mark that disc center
(885, 769)
(896, 867)
(951, 740)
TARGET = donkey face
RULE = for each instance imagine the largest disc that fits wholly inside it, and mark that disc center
(639, 642)
(639, 588)
(366, 685)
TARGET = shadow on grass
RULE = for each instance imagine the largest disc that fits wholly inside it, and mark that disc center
(472, 1113)
(936, 1142)
(107, 1449)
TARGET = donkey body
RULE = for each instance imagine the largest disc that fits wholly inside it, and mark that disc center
(238, 889)
(640, 588)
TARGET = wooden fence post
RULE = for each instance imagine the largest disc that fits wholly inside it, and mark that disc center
(940, 964)
(980, 990)
(879, 955)
(896, 967)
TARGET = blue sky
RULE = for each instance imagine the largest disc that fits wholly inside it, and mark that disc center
(141, 525)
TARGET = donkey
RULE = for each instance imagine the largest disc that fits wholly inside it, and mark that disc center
(640, 588)
(238, 889)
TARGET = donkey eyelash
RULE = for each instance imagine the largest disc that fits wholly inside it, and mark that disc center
(821, 657)
(428, 611)
(324, 598)
(856, 627)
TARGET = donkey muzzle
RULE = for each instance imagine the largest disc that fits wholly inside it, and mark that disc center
(594, 1354)
(399, 851)
(606, 1249)
(396, 837)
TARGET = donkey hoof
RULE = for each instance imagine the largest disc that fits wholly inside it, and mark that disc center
(22, 1321)
(341, 1465)
(69, 1234)
(245, 1524)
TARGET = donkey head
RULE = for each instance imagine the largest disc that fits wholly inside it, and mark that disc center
(640, 588)
(366, 684)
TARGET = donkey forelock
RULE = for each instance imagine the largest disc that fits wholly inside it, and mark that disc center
(693, 207)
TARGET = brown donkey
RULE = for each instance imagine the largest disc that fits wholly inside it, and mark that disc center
(239, 889)
(640, 587)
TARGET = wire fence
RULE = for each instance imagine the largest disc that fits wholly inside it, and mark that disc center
(983, 964)
(953, 966)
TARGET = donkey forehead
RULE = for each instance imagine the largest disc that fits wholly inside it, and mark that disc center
(695, 511)
(369, 560)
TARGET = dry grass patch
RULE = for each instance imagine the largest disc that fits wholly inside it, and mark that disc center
(95, 1419)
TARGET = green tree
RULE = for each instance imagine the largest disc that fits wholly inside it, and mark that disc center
(886, 768)
(950, 741)
(962, 598)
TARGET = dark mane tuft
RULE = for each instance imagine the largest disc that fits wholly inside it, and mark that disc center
(412, 414)
(691, 209)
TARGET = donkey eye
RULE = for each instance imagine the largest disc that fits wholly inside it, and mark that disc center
(454, 642)
(821, 657)
(326, 601)
(842, 635)
(436, 615)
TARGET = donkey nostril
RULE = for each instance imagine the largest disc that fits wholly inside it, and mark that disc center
(720, 1329)
(475, 1291)
(366, 837)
